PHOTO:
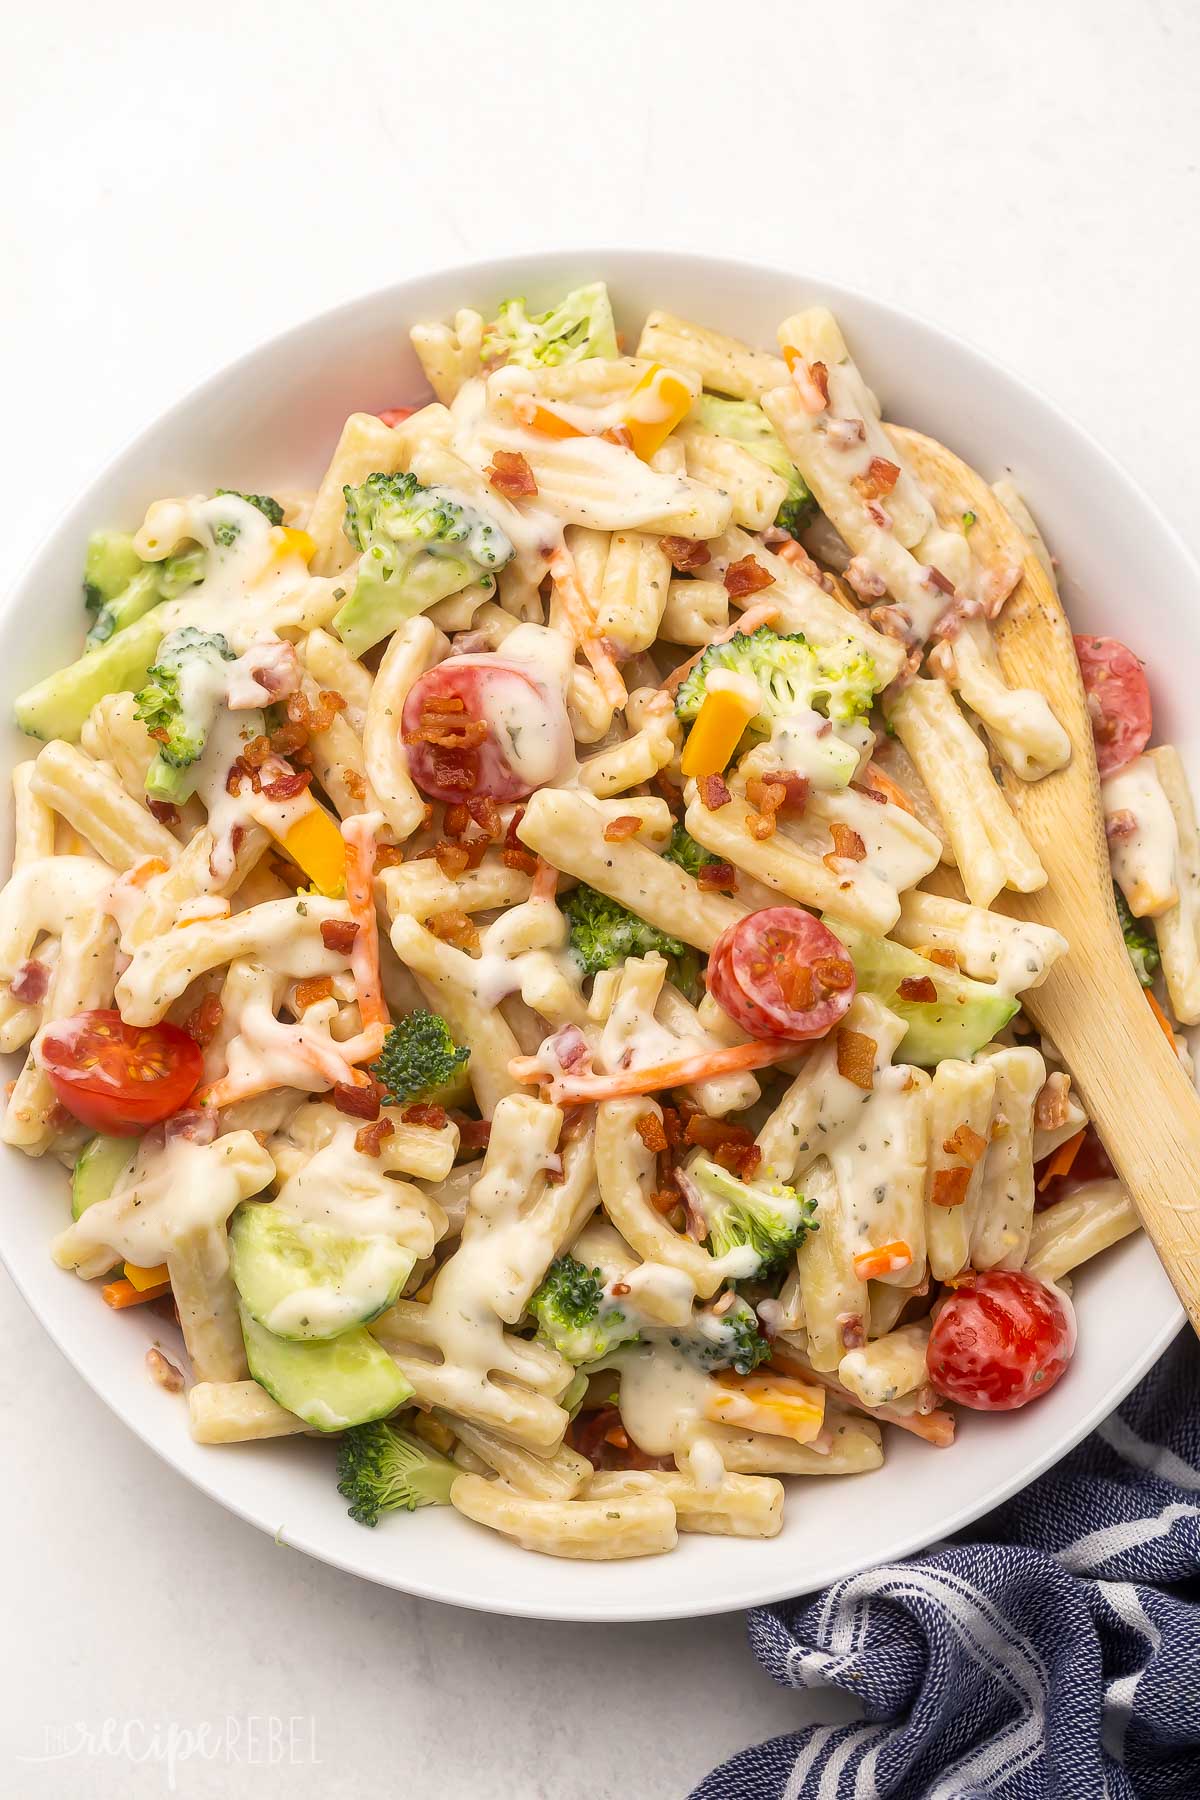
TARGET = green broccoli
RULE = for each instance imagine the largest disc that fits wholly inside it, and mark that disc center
(418, 1058)
(765, 1219)
(383, 1469)
(419, 545)
(684, 851)
(1139, 941)
(839, 681)
(580, 325)
(604, 933)
(179, 705)
(574, 1315)
(118, 587)
(748, 425)
(227, 530)
(176, 574)
(728, 1340)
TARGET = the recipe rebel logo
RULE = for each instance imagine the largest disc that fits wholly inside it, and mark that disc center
(252, 1740)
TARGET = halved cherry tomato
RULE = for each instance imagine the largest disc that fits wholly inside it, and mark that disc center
(478, 725)
(1118, 700)
(780, 973)
(1001, 1340)
(119, 1078)
(396, 415)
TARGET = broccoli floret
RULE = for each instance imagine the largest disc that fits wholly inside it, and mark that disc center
(580, 325)
(1139, 941)
(764, 1219)
(839, 680)
(748, 425)
(176, 574)
(419, 545)
(686, 852)
(418, 1057)
(603, 933)
(228, 529)
(181, 700)
(729, 1340)
(574, 1314)
(381, 1469)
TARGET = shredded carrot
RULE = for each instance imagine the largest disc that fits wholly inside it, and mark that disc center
(881, 783)
(1162, 1018)
(682, 1071)
(544, 885)
(884, 1259)
(764, 612)
(1060, 1163)
(566, 580)
(122, 1293)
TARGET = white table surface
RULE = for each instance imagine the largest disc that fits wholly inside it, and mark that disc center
(180, 184)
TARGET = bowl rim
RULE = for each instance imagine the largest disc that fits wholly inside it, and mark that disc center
(475, 276)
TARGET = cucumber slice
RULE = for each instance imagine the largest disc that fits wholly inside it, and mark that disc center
(99, 1163)
(965, 1016)
(109, 566)
(58, 706)
(331, 1385)
(301, 1280)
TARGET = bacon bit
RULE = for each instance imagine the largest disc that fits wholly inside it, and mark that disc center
(847, 845)
(685, 554)
(835, 973)
(665, 1201)
(880, 478)
(486, 814)
(319, 717)
(456, 820)
(256, 752)
(966, 1142)
(455, 927)
(160, 734)
(339, 935)
(867, 584)
(368, 1139)
(355, 785)
(452, 859)
(767, 797)
(1121, 825)
(819, 375)
(713, 792)
(425, 1112)
(440, 727)
(617, 831)
(30, 982)
(649, 1128)
(740, 1159)
(950, 1186)
(619, 435)
(238, 772)
(287, 740)
(312, 992)
(286, 787)
(473, 1134)
(746, 576)
(510, 474)
(856, 1057)
(358, 1100)
(204, 1021)
(712, 1133)
(521, 859)
(843, 434)
(883, 1259)
(918, 988)
(164, 811)
(717, 878)
(1052, 1107)
(939, 953)
(935, 579)
(851, 1327)
(672, 1125)
(388, 855)
(796, 985)
(163, 1372)
(620, 1288)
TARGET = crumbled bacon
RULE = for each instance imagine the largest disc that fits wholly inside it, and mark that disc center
(1052, 1108)
(368, 1139)
(358, 1100)
(717, 878)
(339, 935)
(256, 752)
(746, 576)
(455, 927)
(853, 1334)
(486, 814)
(286, 787)
(880, 478)
(30, 982)
(649, 1128)
(847, 844)
(938, 953)
(387, 856)
(1121, 825)
(867, 584)
(473, 1134)
(766, 798)
(617, 831)
(819, 375)
(312, 992)
(570, 1050)
(917, 988)
(666, 1201)
(843, 434)
(950, 1186)
(935, 579)
(713, 792)
(452, 859)
(685, 553)
(879, 515)
(164, 1372)
(856, 1057)
(510, 474)
(425, 1112)
(835, 973)
(315, 717)
(204, 1021)
(444, 724)
(164, 811)
(521, 859)
(966, 1142)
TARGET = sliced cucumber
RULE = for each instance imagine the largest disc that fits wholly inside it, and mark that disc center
(301, 1280)
(97, 1166)
(58, 706)
(109, 566)
(965, 1016)
(331, 1384)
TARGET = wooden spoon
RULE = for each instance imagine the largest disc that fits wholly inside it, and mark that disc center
(1091, 1004)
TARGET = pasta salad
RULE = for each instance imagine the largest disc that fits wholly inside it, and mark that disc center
(504, 943)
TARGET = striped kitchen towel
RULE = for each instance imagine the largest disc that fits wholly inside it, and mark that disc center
(1050, 1653)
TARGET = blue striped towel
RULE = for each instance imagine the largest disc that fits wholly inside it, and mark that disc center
(1051, 1653)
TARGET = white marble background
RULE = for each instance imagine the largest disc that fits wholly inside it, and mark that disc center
(179, 183)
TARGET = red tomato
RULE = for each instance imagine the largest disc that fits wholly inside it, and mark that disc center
(1118, 700)
(120, 1078)
(780, 973)
(501, 732)
(1001, 1340)
(396, 415)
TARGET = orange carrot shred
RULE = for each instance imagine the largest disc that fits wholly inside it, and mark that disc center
(1062, 1160)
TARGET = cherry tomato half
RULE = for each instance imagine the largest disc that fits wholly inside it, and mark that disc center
(1001, 1340)
(1118, 700)
(780, 973)
(395, 415)
(120, 1078)
(478, 725)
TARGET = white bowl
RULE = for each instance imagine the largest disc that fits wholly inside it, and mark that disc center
(271, 420)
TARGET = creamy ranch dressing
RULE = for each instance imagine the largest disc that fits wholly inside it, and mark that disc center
(170, 1193)
(1144, 859)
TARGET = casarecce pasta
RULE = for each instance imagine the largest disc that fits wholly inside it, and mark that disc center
(505, 944)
